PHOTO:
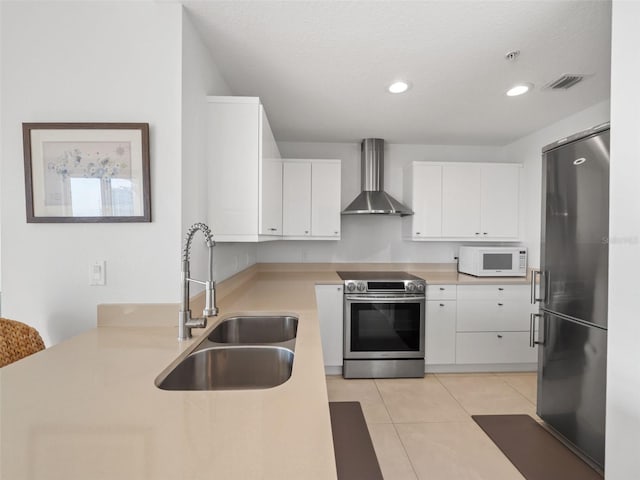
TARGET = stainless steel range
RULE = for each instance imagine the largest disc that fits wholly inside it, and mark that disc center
(384, 324)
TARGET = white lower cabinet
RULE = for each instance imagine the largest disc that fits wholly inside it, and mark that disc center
(493, 316)
(440, 344)
(329, 300)
(492, 325)
(468, 326)
(494, 348)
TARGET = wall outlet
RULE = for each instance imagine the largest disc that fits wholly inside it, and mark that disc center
(98, 273)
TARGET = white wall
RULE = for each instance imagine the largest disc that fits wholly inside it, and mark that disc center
(527, 150)
(623, 362)
(96, 62)
(372, 238)
(201, 77)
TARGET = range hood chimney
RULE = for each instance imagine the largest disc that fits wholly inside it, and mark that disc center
(373, 199)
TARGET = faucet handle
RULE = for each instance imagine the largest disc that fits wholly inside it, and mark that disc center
(210, 308)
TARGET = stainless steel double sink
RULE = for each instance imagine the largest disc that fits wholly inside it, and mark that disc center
(241, 353)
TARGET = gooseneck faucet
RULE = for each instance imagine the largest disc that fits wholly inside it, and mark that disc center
(185, 322)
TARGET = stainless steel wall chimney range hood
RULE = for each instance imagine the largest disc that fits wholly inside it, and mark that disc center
(373, 199)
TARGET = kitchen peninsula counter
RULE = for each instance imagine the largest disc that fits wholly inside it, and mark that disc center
(88, 407)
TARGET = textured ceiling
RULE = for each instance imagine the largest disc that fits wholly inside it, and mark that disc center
(322, 68)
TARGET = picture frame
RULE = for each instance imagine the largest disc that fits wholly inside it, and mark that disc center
(87, 172)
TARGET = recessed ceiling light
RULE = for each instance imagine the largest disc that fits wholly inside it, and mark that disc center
(519, 89)
(398, 87)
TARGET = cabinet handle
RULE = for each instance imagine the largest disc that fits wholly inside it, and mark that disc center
(273, 229)
(500, 304)
(441, 288)
(500, 288)
(336, 233)
(477, 233)
(485, 233)
(417, 233)
(442, 304)
(306, 231)
(499, 336)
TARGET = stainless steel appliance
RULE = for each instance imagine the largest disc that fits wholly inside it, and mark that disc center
(384, 324)
(572, 336)
(493, 261)
(372, 198)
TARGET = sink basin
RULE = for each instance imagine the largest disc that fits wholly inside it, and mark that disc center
(255, 329)
(231, 368)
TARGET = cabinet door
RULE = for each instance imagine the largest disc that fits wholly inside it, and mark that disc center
(520, 292)
(232, 155)
(270, 211)
(325, 198)
(296, 198)
(500, 200)
(329, 299)
(440, 342)
(494, 347)
(461, 201)
(508, 315)
(427, 201)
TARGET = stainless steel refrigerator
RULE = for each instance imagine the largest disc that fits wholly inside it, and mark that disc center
(572, 292)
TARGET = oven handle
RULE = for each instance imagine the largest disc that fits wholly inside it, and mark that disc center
(383, 298)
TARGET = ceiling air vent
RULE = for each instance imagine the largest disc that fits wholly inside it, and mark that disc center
(567, 80)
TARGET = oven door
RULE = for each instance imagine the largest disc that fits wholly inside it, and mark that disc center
(384, 326)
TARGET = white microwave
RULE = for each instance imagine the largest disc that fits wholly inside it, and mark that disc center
(493, 261)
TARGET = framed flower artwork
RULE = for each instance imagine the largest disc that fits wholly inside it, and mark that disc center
(87, 172)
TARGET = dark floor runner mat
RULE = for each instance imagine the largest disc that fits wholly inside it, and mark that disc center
(355, 457)
(535, 452)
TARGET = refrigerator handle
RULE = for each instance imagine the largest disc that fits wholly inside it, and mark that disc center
(534, 276)
(532, 330)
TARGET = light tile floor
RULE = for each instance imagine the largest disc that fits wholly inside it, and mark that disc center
(422, 428)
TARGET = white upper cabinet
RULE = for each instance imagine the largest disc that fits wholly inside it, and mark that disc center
(311, 199)
(325, 198)
(460, 200)
(245, 171)
(296, 198)
(463, 201)
(500, 200)
(423, 193)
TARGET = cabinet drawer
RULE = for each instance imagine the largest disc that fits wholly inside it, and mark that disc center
(441, 292)
(492, 315)
(494, 347)
(489, 292)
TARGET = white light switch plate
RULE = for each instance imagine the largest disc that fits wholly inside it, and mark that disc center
(97, 273)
